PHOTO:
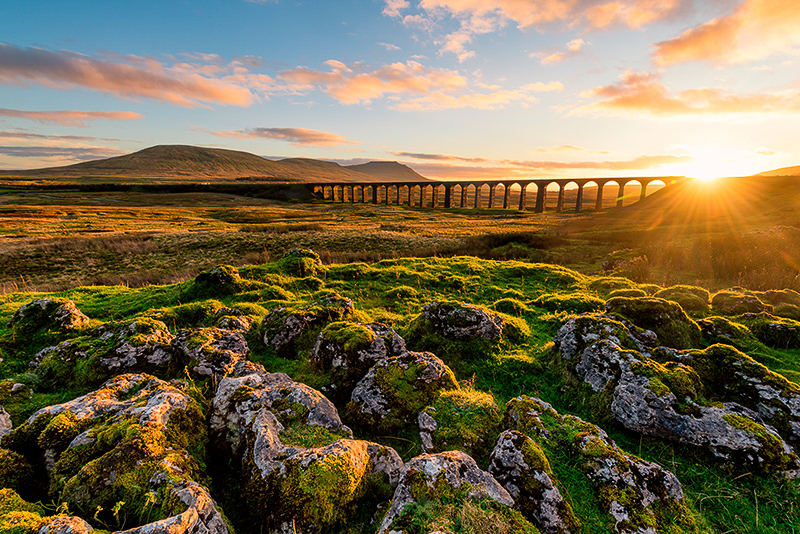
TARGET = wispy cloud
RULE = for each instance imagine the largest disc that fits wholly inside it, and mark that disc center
(553, 56)
(437, 165)
(477, 17)
(389, 46)
(11, 134)
(130, 77)
(71, 154)
(755, 30)
(296, 136)
(411, 86)
(70, 117)
(639, 92)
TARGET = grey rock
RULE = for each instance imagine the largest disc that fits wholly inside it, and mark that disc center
(214, 351)
(57, 314)
(462, 321)
(453, 468)
(64, 524)
(520, 466)
(5, 422)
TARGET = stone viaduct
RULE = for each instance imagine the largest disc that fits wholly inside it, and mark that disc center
(454, 194)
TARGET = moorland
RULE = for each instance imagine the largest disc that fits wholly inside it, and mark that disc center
(143, 337)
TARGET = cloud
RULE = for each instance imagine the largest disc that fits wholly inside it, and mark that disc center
(572, 48)
(568, 148)
(70, 118)
(389, 46)
(503, 168)
(296, 136)
(477, 17)
(755, 30)
(639, 92)
(73, 154)
(43, 137)
(130, 77)
(411, 86)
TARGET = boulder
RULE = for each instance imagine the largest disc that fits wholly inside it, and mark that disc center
(64, 524)
(346, 351)
(213, 351)
(283, 326)
(519, 464)
(298, 471)
(577, 334)
(461, 321)
(731, 302)
(141, 345)
(232, 319)
(633, 492)
(395, 390)
(127, 441)
(46, 314)
(447, 476)
(667, 319)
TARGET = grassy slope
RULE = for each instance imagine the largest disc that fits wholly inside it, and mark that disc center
(748, 503)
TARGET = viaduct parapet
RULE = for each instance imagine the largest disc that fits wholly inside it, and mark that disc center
(455, 194)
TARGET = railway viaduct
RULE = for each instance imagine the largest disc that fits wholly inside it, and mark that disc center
(454, 194)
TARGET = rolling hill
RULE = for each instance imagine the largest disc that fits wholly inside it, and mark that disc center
(186, 162)
(785, 171)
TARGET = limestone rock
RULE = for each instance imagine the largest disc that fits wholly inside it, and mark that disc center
(732, 302)
(283, 326)
(395, 390)
(346, 351)
(462, 321)
(232, 319)
(142, 344)
(214, 351)
(578, 333)
(441, 474)
(521, 467)
(64, 524)
(611, 471)
(5, 422)
(666, 318)
(47, 314)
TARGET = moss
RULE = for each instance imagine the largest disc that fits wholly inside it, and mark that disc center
(789, 311)
(401, 293)
(222, 280)
(604, 285)
(736, 303)
(681, 289)
(193, 314)
(10, 501)
(59, 432)
(650, 289)
(693, 300)
(351, 337)
(351, 271)
(575, 302)
(20, 522)
(667, 319)
(677, 378)
(635, 292)
(779, 297)
(773, 331)
(466, 420)
(511, 306)
(307, 436)
(301, 262)
(15, 472)
(774, 456)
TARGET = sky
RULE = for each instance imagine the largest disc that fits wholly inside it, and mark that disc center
(453, 88)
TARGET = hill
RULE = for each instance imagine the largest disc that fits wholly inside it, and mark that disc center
(785, 171)
(388, 169)
(183, 161)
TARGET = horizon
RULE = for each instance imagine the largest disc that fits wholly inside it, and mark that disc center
(453, 89)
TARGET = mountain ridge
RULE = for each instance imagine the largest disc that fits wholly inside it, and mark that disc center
(162, 161)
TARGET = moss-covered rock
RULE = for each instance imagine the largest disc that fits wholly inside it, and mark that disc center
(220, 281)
(346, 351)
(731, 303)
(630, 293)
(637, 495)
(211, 351)
(667, 319)
(604, 285)
(520, 465)
(391, 395)
(460, 320)
(693, 300)
(463, 419)
(773, 331)
(15, 472)
(287, 330)
(574, 302)
(301, 262)
(46, 314)
(445, 478)
(579, 333)
(716, 329)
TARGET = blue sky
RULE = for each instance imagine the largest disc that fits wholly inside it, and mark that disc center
(453, 88)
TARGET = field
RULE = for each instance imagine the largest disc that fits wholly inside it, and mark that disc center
(127, 258)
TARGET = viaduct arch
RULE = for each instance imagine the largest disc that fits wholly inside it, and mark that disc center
(508, 194)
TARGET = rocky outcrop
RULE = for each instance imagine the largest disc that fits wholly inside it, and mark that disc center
(64, 524)
(731, 302)
(288, 438)
(142, 344)
(232, 319)
(667, 319)
(437, 476)
(661, 400)
(632, 491)
(45, 314)
(395, 390)
(283, 326)
(211, 351)
(521, 467)
(346, 351)
(461, 321)
(127, 441)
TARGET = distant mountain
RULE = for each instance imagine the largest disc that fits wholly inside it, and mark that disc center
(186, 162)
(785, 171)
(388, 169)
